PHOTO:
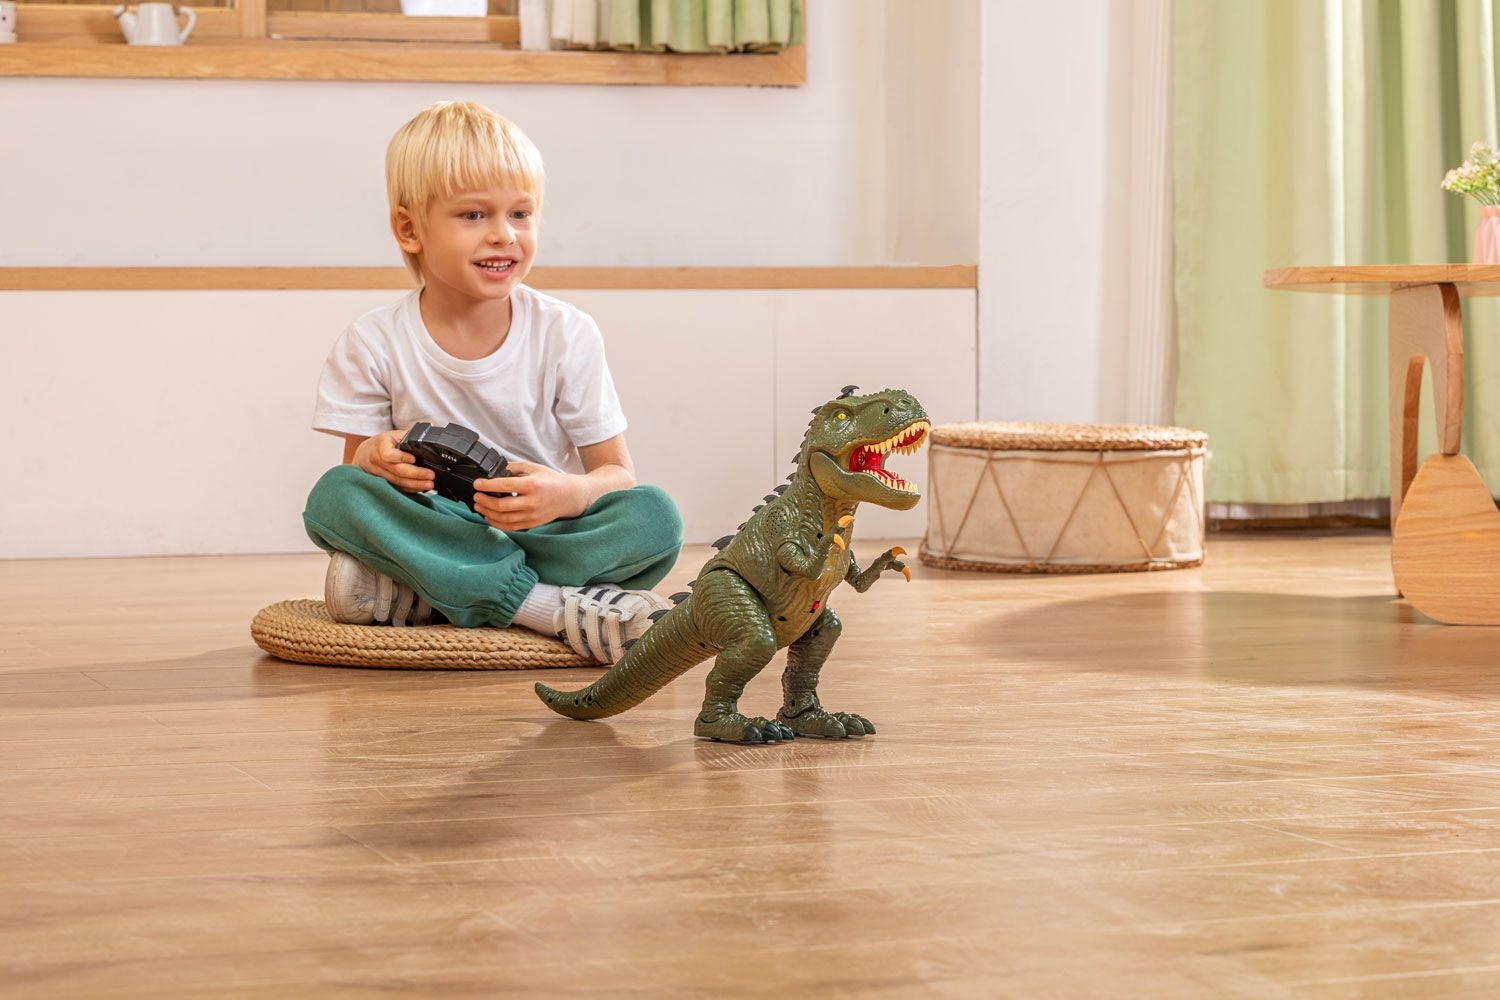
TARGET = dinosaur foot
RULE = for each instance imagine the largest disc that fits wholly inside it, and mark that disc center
(736, 728)
(828, 725)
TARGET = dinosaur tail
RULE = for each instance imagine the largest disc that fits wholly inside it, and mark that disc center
(667, 650)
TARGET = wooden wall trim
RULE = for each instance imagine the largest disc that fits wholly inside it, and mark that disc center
(270, 59)
(547, 278)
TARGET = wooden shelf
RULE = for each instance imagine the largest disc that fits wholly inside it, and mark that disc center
(547, 278)
(282, 59)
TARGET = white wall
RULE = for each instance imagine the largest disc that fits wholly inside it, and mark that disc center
(1054, 268)
(931, 83)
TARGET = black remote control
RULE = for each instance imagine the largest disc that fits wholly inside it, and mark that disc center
(458, 457)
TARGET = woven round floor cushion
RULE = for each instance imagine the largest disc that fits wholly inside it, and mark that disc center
(1064, 498)
(302, 632)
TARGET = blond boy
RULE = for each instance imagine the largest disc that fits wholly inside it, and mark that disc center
(576, 549)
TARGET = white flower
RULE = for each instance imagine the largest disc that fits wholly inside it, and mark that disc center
(1478, 176)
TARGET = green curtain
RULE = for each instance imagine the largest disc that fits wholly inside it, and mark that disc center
(1317, 132)
(680, 25)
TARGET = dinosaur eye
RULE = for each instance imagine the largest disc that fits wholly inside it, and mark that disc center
(841, 415)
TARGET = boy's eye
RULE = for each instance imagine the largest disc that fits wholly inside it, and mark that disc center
(467, 215)
(524, 213)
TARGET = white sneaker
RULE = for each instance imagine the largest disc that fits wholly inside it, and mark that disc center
(598, 621)
(358, 595)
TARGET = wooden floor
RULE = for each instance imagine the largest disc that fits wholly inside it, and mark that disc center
(1263, 778)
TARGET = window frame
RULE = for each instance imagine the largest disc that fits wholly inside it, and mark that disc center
(249, 42)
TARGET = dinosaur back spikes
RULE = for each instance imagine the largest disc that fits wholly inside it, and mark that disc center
(742, 526)
(756, 508)
(658, 615)
(679, 598)
(721, 543)
(781, 489)
(769, 497)
(847, 391)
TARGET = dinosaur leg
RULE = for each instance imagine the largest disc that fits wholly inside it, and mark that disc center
(736, 622)
(802, 711)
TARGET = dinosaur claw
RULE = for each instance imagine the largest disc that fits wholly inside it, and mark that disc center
(906, 573)
(898, 551)
(846, 520)
(839, 541)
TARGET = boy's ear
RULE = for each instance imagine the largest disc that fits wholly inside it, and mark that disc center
(404, 225)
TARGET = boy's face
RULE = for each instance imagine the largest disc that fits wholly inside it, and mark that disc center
(479, 243)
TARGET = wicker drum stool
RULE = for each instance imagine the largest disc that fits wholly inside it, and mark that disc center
(1064, 498)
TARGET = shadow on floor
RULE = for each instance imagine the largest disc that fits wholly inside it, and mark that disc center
(1250, 638)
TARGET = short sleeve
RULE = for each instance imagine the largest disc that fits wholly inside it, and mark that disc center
(587, 406)
(352, 394)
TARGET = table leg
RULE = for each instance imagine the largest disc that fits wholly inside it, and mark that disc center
(1425, 324)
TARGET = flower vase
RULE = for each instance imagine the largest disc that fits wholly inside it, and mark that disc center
(1487, 236)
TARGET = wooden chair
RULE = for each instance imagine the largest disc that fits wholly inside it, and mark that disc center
(1445, 546)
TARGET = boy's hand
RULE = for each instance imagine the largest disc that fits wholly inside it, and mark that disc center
(542, 495)
(382, 456)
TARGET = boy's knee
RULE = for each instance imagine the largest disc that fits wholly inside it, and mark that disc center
(656, 508)
(339, 484)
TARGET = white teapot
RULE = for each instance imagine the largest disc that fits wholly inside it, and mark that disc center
(154, 24)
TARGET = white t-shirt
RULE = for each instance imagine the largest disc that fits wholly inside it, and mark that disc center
(544, 394)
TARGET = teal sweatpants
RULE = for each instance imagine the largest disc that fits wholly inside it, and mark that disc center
(478, 575)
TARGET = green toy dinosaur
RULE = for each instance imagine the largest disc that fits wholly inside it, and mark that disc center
(766, 586)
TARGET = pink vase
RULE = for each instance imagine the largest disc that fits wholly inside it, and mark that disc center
(1487, 236)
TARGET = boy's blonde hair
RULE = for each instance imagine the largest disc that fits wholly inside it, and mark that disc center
(456, 146)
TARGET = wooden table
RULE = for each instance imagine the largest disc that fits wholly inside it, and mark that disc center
(1445, 529)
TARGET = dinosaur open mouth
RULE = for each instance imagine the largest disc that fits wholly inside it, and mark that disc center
(870, 458)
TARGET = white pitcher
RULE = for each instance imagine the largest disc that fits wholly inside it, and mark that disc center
(154, 24)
